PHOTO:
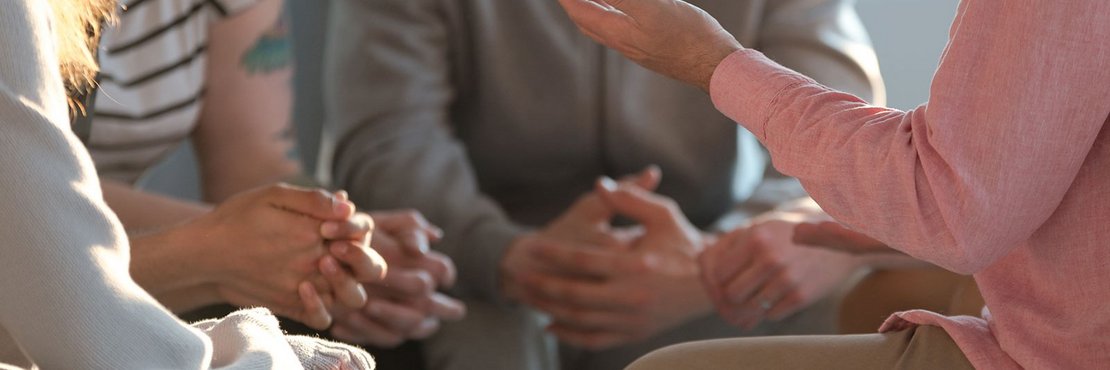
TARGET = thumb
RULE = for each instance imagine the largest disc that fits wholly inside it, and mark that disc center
(649, 209)
(593, 209)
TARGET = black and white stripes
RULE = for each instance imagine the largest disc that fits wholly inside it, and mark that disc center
(152, 82)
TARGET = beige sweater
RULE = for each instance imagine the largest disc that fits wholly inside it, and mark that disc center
(66, 299)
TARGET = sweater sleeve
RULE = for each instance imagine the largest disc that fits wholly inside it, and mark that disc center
(1020, 96)
(68, 301)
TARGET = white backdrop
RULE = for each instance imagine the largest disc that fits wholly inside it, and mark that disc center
(909, 36)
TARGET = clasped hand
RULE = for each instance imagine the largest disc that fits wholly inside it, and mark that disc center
(295, 251)
(606, 286)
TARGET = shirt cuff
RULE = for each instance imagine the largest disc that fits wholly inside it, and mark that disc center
(746, 87)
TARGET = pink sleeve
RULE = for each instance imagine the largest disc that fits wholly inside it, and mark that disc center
(1022, 91)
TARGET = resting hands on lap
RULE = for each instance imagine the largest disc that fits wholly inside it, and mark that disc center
(606, 286)
(406, 304)
(759, 272)
(267, 247)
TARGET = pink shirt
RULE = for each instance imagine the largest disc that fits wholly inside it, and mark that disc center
(1004, 174)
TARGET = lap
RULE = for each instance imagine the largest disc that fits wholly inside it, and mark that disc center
(920, 348)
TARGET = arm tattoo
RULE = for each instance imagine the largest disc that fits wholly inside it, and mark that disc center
(271, 52)
(288, 137)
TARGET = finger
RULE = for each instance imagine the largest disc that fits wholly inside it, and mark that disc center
(411, 228)
(733, 253)
(597, 263)
(346, 289)
(447, 308)
(425, 330)
(648, 179)
(589, 340)
(769, 295)
(414, 242)
(589, 14)
(315, 203)
(357, 228)
(650, 209)
(405, 283)
(355, 328)
(366, 264)
(441, 268)
(583, 293)
(708, 261)
(394, 317)
(315, 314)
(741, 288)
(587, 319)
(788, 305)
(835, 236)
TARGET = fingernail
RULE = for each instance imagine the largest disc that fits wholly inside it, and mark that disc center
(330, 266)
(608, 184)
(329, 229)
(339, 248)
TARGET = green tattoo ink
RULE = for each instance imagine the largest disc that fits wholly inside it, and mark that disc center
(272, 52)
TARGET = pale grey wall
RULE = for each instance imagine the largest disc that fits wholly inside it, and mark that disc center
(908, 35)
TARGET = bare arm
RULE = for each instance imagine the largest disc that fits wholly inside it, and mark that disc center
(245, 136)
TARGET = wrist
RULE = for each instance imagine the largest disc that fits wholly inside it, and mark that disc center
(169, 260)
(506, 278)
(711, 60)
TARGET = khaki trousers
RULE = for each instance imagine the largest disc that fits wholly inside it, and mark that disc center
(925, 347)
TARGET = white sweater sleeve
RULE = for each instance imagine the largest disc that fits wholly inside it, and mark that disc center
(66, 299)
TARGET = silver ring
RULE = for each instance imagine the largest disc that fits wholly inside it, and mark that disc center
(765, 305)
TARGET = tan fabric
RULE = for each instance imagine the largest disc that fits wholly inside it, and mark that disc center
(924, 347)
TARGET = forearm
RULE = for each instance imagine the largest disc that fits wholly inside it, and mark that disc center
(142, 212)
(163, 264)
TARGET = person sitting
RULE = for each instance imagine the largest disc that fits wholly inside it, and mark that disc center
(1001, 175)
(219, 73)
(68, 300)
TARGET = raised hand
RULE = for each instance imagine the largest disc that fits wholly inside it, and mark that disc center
(759, 273)
(671, 37)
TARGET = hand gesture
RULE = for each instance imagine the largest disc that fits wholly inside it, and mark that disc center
(671, 37)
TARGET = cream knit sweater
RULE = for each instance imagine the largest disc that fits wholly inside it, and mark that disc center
(66, 299)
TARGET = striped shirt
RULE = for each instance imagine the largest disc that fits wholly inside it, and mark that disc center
(152, 82)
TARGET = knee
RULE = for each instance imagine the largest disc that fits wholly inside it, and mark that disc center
(678, 356)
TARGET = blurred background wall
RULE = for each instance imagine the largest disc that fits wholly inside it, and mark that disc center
(908, 36)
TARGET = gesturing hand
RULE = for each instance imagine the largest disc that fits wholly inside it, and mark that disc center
(671, 37)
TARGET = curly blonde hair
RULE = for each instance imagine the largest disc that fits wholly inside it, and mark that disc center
(77, 28)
